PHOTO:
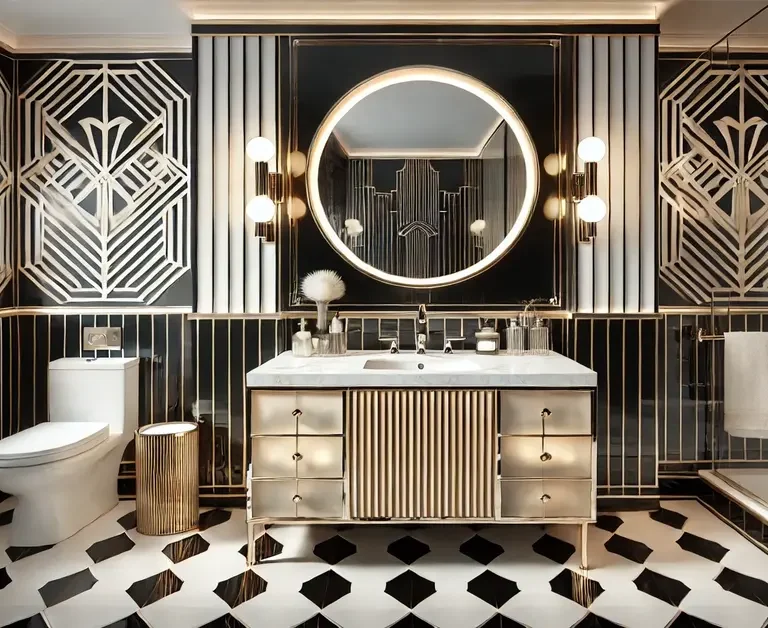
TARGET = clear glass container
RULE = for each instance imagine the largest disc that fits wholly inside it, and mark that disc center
(487, 341)
(515, 338)
(538, 338)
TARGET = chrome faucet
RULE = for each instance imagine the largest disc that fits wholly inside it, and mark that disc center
(421, 330)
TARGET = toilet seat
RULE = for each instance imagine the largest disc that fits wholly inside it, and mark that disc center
(49, 442)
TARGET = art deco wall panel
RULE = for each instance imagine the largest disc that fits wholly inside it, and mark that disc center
(103, 183)
(237, 100)
(7, 200)
(617, 101)
(714, 182)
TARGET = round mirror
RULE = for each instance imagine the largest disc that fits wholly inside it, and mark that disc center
(422, 177)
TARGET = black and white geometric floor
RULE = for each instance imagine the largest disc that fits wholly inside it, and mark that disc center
(679, 567)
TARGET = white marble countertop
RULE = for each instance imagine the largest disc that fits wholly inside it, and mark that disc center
(462, 369)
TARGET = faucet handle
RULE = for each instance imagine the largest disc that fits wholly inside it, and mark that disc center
(447, 347)
(395, 342)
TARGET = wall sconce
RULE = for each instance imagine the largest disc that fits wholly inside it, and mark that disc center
(590, 208)
(262, 208)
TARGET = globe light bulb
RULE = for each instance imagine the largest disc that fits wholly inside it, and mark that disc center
(260, 149)
(591, 149)
(591, 208)
(552, 164)
(552, 208)
(298, 163)
(297, 208)
(260, 209)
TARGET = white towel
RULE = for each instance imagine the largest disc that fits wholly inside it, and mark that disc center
(746, 384)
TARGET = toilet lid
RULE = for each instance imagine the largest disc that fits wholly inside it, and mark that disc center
(48, 442)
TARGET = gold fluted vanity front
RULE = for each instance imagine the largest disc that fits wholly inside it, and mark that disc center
(166, 478)
(421, 453)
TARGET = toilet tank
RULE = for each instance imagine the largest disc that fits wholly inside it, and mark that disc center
(104, 390)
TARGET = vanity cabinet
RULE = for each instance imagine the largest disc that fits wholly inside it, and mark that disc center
(440, 454)
(297, 455)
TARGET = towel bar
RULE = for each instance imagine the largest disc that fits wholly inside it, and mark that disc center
(702, 335)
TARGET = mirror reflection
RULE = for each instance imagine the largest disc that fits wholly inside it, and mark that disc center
(424, 179)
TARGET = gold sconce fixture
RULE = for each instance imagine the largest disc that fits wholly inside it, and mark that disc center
(262, 208)
(590, 208)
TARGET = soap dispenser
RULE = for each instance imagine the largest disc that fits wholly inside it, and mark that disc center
(487, 340)
(301, 344)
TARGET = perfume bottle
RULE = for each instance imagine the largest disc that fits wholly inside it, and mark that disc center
(515, 338)
(538, 338)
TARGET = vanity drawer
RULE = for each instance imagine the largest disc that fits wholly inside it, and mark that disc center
(533, 499)
(291, 412)
(311, 499)
(570, 412)
(297, 456)
(546, 457)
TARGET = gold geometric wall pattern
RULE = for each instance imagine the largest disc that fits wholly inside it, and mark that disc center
(104, 181)
(6, 183)
(714, 181)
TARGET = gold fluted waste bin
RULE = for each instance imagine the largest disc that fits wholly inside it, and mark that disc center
(167, 499)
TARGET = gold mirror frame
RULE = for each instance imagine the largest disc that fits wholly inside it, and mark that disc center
(437, 75)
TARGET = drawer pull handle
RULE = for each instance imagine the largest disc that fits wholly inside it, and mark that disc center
(545, 413)
(296, 499)
(545, 498)
(297, 456)
(545, 457)
(297, 412)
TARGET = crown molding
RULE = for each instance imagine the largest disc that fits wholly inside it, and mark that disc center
(8, 39)
(685, 42)
(74, 44)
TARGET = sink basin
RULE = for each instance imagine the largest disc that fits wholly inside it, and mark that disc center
(427, 364)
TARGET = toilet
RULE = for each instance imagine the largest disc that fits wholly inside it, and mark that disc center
(63, 473)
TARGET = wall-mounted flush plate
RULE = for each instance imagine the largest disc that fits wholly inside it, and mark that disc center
(101, 338)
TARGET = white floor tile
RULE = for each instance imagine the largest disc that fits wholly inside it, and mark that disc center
(276, 609)
(100, 606)
(723, 608)
(543, 609)
(187, 608)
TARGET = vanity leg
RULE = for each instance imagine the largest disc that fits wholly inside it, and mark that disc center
(584, 546)
(255, 531)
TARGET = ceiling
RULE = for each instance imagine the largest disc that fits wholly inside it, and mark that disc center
(440, 121)
(164, 25)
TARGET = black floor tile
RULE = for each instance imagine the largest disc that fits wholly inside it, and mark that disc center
(128, 521)
(214, 517)
(480, 549)
(225, 621)
(628, 548)
(5, 579)
(334, 550)
(492, 588)
(3, 496)
(703, 547)
(264, 547)
(6, 517)
(501, 621)
(408, 549)
(318, 621)
(411, 621)
(410, 588)
(36, 621)
(240, 588)
(62, 589)
(576, 587)
(595, 621)
(745, 586)
(683, 620)
(108, 548)
(609, 523)
(149, 590)
(553, 548)
(17, 553)
(132, 621)
(325, 589)
(661, 587)
(186, 548)
(669, 517)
